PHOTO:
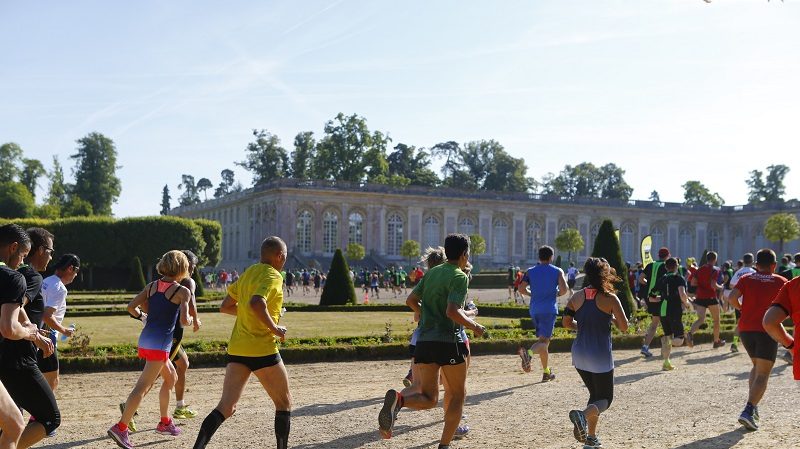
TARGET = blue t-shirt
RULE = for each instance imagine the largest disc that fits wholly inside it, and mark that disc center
(543, 279)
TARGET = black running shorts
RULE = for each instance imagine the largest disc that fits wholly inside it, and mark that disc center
(440, 353)
(759, 345)
(653, 308)
(708, 302)
(256, 363)
(672, 324)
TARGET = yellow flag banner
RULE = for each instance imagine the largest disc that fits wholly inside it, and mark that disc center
(647, 250)
(616, 232)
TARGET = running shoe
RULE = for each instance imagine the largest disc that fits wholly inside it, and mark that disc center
(132, 424)
(734, 347)
(719, 344)
(408, 380)
(547, 377)
(689, 340)
(461, 431)
(388, 414)
(755, 413)
(526, 359)
(667, 366)
(51, 434)
(592, 443)
(747, 419)
(579, 428)
(168, 429)
(646, 352)
(184, 413)
(787, 356)
(120, 437)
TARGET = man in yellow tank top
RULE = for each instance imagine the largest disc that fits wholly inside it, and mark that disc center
(256, 300)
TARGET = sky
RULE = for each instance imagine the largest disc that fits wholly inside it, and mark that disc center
(670, 91)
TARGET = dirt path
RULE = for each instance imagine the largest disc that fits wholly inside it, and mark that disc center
(336, 406)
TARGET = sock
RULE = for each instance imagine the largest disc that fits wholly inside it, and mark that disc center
(530, 353)
(547, 370)
(750, 404)
(165, 420)
(282, 426)
(735, 339)
(122, 426)
(207, 429)
(181, 403)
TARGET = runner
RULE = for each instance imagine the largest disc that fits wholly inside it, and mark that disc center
(727, 275)
(318, 282)
(706, 298)
(439, 299)
(518, 298)
(785, 305)
(761, 288)
(54, 292)
(160, 305)
(745, 269)
(512, 271)
(789, 274)
(289, 282)
(547, 284)
(23, 386)
(572, 275)
(256, 301)
(591, 311)
(374, 284)
(651, 274)
(672, 287)
(178, 356)
(306, 278)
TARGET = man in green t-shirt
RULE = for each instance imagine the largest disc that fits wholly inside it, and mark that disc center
(439, 300)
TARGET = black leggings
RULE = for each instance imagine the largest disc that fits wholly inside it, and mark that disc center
(31, 392)
(601, 388)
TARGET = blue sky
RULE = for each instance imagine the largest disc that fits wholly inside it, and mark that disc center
(670, 90)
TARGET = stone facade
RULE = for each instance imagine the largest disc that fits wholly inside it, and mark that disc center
(316, 217)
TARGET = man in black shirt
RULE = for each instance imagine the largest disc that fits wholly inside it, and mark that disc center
(19, 372)
(672, 287)
(648, 283)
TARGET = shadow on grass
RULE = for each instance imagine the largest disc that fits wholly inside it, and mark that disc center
(726, 440)
(359, 439)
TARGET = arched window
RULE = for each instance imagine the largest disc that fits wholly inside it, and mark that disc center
(627, 242)
(466, 226)
(431, 233)
(713, 240)
(533, 240)
(356, 234)
(685, 244)
(303, 236)
(330, 232)
(500, 240)
(394, 234)
(657, 236)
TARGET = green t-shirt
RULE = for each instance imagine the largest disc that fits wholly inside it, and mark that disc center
(440, 286)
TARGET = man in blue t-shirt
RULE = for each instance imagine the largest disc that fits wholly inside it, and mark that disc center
(547, 283)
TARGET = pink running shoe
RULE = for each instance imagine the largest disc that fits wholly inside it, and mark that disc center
(120, 437)
(168, 429)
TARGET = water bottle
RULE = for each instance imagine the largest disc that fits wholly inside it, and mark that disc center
(64, 337)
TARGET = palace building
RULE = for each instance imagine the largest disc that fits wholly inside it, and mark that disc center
(317, 217)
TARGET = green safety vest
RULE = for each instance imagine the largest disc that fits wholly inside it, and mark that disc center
(651, 283)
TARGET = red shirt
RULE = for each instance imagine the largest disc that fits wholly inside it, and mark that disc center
(788, 299)
(758, 291)
(706, 281)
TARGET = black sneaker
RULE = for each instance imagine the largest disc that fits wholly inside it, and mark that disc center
(592, 443)
(547, 377)
(579, 428)
(719, 344)
(747, 419)
(388, 414)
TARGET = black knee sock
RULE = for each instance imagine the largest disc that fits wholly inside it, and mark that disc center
(282, 425)
(208, 428)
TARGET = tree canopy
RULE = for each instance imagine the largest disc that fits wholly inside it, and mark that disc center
(782, 228)
(696, 194)
(586, 180)
(95, 172)
(266, 158)
(770, 189)
(569, 240)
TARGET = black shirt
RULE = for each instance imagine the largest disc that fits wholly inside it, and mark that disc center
(13, 288)
(668, 285)
(35, 306)
(648, 274)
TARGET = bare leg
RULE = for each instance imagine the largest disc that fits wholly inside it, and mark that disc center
(10, 421)
(143, 385)
(701, 318)
(592, 416)
(168, 377)
(541, 347)
(181, 367)
(715, 318)
(455, 378)
(425, 394)
(759, 379)
(651, 331)
(52, 379)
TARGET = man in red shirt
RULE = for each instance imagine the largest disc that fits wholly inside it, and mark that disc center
(706, 298)
(785, 305)
(753, 295)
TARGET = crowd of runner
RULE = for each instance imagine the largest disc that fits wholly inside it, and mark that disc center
(32, 309)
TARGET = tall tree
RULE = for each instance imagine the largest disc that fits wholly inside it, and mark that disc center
(613, 184)
(506, 173)
(606, 245)
(266, 158)
(189, 187)
(654, 196)
(569, 240)
(32, 170)
(165, 198)
(757, 188)
(449, 153)
(15, 201)
(782, 228)
(58, 189)
(413, 164)
(341, 151)
(95, 172)
(697, 194)
(228, 184)
(203, 184)
(10, 159)
(770, 189)
(589, 181)
(374, 160)
(303, 155)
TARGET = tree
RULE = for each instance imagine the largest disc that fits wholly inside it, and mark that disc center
(95, 172)
(449, 153)
(408, 162)
(165, 198)
(477, 245)
(203, 185)
(58, 189)
(410, 249)
(47, 211)
(606, 245)
(266, 158)
(506, 173)
(569, 240)
(771, 189)
(338, 288)
(32, 170)
(614, 185)
(15, 200)
(303, 155)
(342, 153)
(482, 165)
(696, 194)
(355, 251)
(136, 281)
(228, 184)
(199, 289)
(654, 196)
(189, 195)
(589, 181)
(10, 158)
(375, 164)
(782, 228)
(77, 207)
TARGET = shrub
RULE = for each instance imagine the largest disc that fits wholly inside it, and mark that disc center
(339, 286)
(606, 245)
(136, 282)
(200, 289)
(15, 200)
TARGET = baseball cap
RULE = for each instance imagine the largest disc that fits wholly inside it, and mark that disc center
(663, 253)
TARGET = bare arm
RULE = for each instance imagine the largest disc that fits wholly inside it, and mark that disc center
(563, 287)
(193, 304)
(51, 322)
(684, 297)
(773, 324)
(10, 326)
(568, 320)
(136, 308)
(456, 314)
(228, 306)
(619, 318)
(185, 298)
(413, 301)
(733, 299)
(259, 306)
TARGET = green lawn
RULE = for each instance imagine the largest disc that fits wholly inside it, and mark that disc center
(106, 330)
